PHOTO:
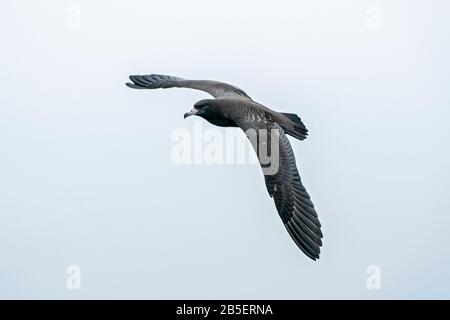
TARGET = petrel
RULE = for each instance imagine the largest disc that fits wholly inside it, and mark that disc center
(232, 107)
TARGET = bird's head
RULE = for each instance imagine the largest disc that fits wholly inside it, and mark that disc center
(203, 108)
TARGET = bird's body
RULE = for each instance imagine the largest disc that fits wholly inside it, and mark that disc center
(232, 107)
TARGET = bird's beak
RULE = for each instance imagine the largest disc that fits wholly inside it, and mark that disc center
(190, 113)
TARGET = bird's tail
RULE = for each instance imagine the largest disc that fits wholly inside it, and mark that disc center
(298, 129)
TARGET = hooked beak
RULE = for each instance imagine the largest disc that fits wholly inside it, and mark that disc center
(190, 113)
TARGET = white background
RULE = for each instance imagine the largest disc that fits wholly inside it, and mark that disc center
(86, 176)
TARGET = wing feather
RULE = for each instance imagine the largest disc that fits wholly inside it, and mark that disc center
(285, 186)
(215, 88)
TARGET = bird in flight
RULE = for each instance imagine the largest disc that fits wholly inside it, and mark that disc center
(232, 107)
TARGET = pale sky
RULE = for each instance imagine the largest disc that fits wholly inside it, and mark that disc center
(86, 177)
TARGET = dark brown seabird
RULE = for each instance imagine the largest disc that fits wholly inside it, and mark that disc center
(232, 107)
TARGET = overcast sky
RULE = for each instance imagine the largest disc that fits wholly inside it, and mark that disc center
(87, 178)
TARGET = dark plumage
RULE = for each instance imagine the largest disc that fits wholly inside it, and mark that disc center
(232, 107)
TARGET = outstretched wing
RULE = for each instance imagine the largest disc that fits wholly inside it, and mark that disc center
(214, 88)
(292, 201)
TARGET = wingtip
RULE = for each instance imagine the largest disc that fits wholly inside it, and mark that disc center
(132, 85)
(133, 78)
(314, 257)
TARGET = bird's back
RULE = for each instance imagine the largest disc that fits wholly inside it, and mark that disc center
(250, 110)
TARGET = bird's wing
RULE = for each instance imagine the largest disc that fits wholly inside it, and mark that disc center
(285, 186)
(214, 88)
